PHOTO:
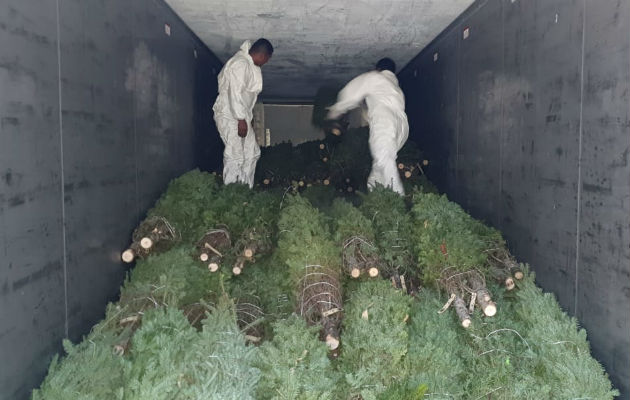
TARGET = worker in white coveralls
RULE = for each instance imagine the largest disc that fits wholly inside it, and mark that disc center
(389, 128)
(240, 82)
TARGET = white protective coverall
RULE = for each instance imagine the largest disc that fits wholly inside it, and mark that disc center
(389, 128)
(240, 82)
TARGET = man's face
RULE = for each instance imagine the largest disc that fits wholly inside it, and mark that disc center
(261, 58)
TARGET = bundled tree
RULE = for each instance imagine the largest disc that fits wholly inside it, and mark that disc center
(275, 165)
(184, 202)
(227, 209)
(375, 339)
(321, 302)
(220, 364)
(171, 279)
(248, 218)
(465, 289)
(272, 289)
(169, 359)
(313, 264)
(392, 226)
(354, 234)
(445, 236)
(89, 371)
(503, 267)
(159, 352)
(295, 364)
(351, 160)
(434, 359)
(562, 352)
(154, 235)
(213, 246)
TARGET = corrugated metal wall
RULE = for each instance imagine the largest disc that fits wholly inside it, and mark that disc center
(99, 109)
(527, 125)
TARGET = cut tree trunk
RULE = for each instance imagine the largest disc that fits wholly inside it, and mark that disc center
(128, 256)
(462, 312)
(485, 302)
(154, 234)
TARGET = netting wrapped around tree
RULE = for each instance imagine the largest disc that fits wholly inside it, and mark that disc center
(321, 302)
(355, 235)
(154, 235)
(360, 257)
(304, 240)
(249, 317)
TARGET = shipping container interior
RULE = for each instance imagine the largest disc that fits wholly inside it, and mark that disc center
(522, 107)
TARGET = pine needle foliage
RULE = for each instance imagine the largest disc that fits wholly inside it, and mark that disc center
(434, 358)
(393, 230)
(304, 238)
(446, 236)
(174, 278)
(159, 350)
(268, 282)
(184, 201)
(375, 338)
(393, 348)
(347, 221)
(228, 208)
(88, 371)
(220, 364)
(320, 196)
(295, 364)
(561, 346)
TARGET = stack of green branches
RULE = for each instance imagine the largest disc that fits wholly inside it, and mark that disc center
(165, 339)
(342, 163)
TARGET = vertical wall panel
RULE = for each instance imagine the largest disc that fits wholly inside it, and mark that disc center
(32, 293)
(542, 80)
(603, 281)
(541, 149)
(133, 102)
(477, 172)
(98, 153)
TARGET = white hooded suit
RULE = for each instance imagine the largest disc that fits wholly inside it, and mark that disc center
(389, 128)
(240, 82)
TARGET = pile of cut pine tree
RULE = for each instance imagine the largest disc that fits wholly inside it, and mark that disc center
(335, 164)
(240, 294)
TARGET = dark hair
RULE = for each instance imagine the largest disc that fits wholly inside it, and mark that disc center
(262, 46)
(386, 64)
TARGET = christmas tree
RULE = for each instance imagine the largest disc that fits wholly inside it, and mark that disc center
(375, 339)
(295, 364)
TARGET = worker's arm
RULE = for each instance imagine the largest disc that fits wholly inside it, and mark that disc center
(350, 96)
(237, 76)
